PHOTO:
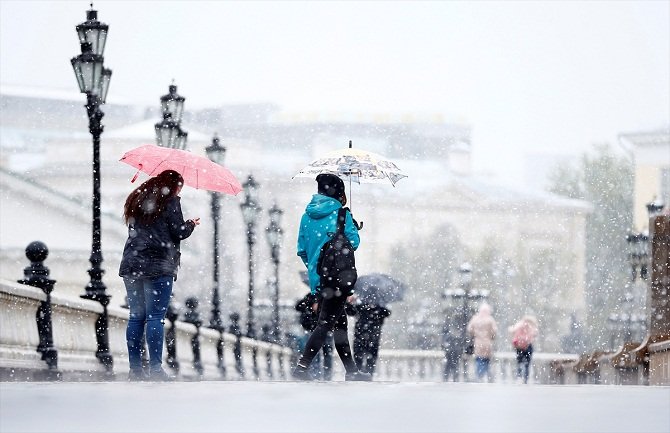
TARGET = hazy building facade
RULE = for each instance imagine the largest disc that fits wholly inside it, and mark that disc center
(651, 159)
(52, 192)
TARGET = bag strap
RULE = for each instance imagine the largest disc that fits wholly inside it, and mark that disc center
(341, 218)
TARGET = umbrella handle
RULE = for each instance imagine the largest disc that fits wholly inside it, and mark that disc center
(137, 173)
(358, 225)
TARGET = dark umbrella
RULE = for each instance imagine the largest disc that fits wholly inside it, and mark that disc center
(379, 289)
(304, 277)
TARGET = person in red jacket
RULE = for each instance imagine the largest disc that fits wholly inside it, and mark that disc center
(523, 334)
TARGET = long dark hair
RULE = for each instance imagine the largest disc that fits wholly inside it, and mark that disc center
(148, 200)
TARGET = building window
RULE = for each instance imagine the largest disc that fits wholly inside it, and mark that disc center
(664, 187)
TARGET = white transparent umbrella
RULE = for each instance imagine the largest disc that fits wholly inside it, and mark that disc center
(354, 165)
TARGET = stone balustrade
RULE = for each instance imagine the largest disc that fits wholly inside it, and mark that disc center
(74, 320)
(47, 336)
(73, 323)
(428, 366)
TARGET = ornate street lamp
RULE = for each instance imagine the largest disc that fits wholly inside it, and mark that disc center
(168, 130)
(88, 70)
(654, 209)
(182, 136)
(638, 259)
(93, 80)
(173, 103)
(637, 254)
(274, 235)
(626, 324)
(93, 32)
(250, 213)
(216, 153)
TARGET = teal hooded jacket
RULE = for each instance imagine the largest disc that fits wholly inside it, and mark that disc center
(317, 226)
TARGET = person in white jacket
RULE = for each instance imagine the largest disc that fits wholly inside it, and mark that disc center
(483, 329)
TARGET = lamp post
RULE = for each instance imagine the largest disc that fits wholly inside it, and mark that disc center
(173, 103)
(626, 324)
(462, 297)
(216, 153)
(274, 235)
(93, 80)
(250, 213)
(638, 258)
(168, 130)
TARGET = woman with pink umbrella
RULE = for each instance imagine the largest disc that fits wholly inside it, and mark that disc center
(149, 266)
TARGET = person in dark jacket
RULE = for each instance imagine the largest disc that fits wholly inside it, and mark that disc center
(149, 265)
(266, 335)
(322, 365)
(236, 330)
(367, 333)
(317, 225)
(452, 344)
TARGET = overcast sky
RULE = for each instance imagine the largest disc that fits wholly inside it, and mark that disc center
(527, 76)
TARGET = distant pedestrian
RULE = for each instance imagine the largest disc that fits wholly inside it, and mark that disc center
(482, 327)
(149, 266)
(268, 337)
(452, 344)
(323, 218)
(322, 364)
(367, 334)
(523, 335)
(236, 330)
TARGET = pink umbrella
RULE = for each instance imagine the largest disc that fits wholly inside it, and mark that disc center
(198, 171)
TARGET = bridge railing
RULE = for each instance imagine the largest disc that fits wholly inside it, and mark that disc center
(73, 322)
(70, 351)
(428, 365)
(74, 319)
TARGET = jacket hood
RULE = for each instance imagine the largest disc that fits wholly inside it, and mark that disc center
(321, 206)
(485, 310)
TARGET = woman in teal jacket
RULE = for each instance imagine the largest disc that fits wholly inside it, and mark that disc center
(317, 225)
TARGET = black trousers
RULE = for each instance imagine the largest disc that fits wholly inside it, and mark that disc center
(332, 318)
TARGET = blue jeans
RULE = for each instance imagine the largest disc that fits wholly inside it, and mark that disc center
(482, 367)
(148, 301)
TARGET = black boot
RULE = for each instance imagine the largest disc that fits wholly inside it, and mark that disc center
(301, 373)
(358, 376)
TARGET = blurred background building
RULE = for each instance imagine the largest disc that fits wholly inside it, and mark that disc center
(526, 246)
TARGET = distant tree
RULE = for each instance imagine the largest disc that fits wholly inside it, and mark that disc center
(494, 273)
(538, 285)
(427, 265)
(546, 282)
(606, 181)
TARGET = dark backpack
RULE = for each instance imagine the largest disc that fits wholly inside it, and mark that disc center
(336, 265)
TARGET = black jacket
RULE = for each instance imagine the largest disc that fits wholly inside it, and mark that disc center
(152, 250)
(370, 320)
(308, 317)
